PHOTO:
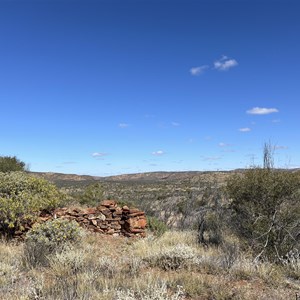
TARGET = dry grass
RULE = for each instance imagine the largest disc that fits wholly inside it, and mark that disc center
(171, 267)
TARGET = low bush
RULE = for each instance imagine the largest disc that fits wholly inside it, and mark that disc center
(157, 226)
(173, 258)
(92, 195)
(50, 237)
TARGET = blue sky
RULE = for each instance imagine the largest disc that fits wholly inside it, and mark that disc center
(122, 86)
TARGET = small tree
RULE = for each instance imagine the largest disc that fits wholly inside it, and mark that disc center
(11, 164)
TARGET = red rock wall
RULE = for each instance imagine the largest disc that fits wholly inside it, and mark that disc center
(107, 218)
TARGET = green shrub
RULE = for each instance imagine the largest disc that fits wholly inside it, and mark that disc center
(22, 197)
(266, 210)
(92, 195)
(50, 237)
(212, 227)
(11, 164)
(157, 226)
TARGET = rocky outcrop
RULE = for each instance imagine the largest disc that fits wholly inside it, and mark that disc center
(107, 218)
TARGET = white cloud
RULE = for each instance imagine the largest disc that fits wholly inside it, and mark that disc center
(195, 71)
(99, 154)
(262, 111)
(158, 153)
(245, 129)
(225, 63)
(123, 125)
(224, 144)
(175, 124)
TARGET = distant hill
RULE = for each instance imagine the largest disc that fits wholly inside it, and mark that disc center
(61, 179)
(153, 176)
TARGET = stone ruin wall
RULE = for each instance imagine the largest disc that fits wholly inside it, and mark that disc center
(107, 218)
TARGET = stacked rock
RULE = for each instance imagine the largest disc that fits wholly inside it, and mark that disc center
(107, 218)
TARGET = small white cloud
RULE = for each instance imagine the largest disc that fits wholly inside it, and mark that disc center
(225, 63)
(195, 71)
(175, 124)
(224, 144)
(245, 129)
(99, 154)
(158, 153)
(123, 125)
(262, 111)
(276, 121)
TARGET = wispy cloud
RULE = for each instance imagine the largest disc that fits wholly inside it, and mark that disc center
(153, 165)
(276, 121)
(158, 153)
(225, 63)
(196, 71)
(99, 154)
(211, 158)
(123, 125)
(175, 124)
(262, 111)
(228, 150)
(68, 162)
(278, 147)
(245, 129)
(222, 144)
(192, 140)
(208, 138)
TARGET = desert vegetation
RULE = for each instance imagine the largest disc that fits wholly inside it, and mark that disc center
(172, 266)
(208, 238)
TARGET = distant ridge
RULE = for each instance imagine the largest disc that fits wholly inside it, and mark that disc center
(155, 176)
(62, 179)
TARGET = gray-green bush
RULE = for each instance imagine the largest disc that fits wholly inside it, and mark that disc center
(50, 237)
